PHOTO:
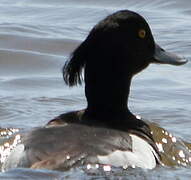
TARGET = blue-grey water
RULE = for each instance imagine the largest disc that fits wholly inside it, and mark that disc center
(37, 36)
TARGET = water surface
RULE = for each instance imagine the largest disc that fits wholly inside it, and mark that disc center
(36, 38)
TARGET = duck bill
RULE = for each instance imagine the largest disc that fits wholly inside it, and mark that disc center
(163, 57)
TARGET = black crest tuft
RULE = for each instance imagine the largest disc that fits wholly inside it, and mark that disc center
(72, 70)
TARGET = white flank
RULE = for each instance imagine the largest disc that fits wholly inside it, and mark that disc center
(14, 157)
(142, 155)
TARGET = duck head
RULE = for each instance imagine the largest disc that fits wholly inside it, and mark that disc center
(118, 47)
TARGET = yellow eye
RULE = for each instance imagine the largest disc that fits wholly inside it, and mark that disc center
(142, 33)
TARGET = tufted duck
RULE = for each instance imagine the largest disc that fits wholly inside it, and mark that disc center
(106, 132)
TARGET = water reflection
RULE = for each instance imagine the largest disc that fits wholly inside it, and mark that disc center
(173, 151)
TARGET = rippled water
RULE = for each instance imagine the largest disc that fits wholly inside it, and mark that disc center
(36, 38)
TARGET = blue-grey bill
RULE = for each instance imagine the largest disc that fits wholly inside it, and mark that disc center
(164, 57)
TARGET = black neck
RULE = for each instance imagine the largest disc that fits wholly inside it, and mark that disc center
(108, 97)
